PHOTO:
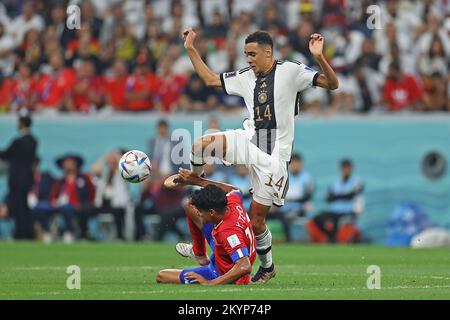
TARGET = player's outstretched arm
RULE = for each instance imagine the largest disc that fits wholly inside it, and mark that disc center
(205, 73)
(192, 179)
(328, 78)
(240, 269)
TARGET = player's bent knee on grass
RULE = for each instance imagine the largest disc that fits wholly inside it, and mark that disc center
(168, 276)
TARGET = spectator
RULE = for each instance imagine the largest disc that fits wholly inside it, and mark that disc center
(198, 97)
(163, 202)
(178, 13)
(218, 29)
(156, 40)
(300, 40)
(6, 85)
(55, 88)
(124, 42)
(40, 201)
(31, 49)
(401, 91)
(140, 87)
(88, 91)
(28, 20)
(20, 156)
(433, 67)
(6, 49)
(299, 195)
(25, 89)
(239, 178)
(112, 194)
(75, 195)
(85, 47)
(344, 97)
(57, 22)
(90, 18)
(345, 204)
(115, 85)
(169, 86)
(160, 147)
(115, 17)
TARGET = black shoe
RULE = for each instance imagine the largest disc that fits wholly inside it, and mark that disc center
(264, 274)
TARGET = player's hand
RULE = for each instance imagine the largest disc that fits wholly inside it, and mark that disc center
(316, 45)
(189, 37)
(195, 277)
(188, 177)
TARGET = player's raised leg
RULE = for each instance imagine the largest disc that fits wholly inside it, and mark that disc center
(213, 145)
(263, 236)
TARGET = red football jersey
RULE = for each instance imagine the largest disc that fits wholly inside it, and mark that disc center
(233, 237)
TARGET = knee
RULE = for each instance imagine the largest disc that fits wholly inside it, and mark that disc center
(198, 146)
(160, 277)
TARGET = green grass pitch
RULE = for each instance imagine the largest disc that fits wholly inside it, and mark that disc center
(127, 271)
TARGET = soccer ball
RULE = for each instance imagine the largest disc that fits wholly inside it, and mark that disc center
(134, 166)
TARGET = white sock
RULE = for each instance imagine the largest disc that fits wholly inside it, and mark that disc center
(264, 248)
(197, 164)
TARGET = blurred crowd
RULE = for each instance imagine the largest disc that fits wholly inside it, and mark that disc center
(128, 55)
(67, 205)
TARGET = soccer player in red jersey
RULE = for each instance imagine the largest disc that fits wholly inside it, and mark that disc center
(217, 211)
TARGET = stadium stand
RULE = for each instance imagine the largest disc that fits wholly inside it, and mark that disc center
(129, 55)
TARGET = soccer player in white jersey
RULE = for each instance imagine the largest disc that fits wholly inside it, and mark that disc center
(270, 89)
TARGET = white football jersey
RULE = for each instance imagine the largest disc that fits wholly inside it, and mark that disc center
(272, 101)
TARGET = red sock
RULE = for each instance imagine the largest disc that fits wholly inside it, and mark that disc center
(199, 246)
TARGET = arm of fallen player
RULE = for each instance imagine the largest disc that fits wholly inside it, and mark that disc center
(240, 269)
(190, 178)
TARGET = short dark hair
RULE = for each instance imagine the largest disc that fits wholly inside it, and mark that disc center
(260, 37)
(163, 122)
(346, 163)
(296, 156)
(25, 121)
(210, 197)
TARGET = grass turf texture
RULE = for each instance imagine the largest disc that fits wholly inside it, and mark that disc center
(127, 271)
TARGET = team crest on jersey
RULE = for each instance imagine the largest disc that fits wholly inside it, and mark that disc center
(230, 74)
(233, 240)
(262, 97)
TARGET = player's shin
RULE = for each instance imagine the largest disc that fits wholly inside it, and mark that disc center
(264, 248)
(198, 241)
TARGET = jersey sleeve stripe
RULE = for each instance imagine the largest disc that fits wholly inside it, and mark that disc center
(223, 84)
(314, 82)
(244, 70)
(239, 253)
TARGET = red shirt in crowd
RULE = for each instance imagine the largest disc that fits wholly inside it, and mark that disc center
(5, 93)
(401, 94)
(169, 90)
(141, 84)
(115, 91)
(81, 99)
(53, 87)
(75, 192)
(24, 92)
